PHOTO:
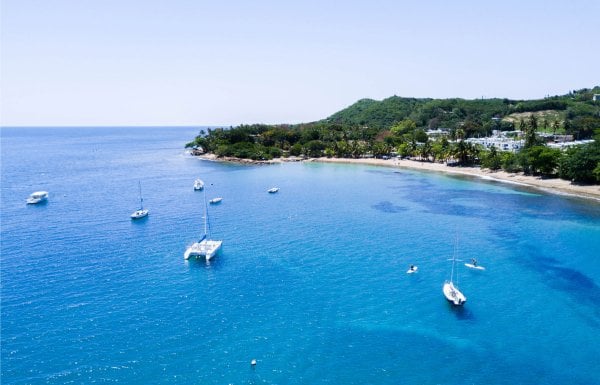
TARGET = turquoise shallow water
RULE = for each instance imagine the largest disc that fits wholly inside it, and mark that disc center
(311, 281)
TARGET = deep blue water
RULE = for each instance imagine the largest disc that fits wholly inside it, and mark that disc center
(311, 281)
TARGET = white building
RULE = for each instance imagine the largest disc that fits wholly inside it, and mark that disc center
(501, 143)
(438, 133)
(565, 145)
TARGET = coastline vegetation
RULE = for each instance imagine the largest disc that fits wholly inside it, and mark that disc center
(398, 127)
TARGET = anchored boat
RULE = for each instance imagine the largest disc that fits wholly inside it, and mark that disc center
(141, 212)
(450, 290)
(205, 247)
(198, 185)
(37, 197)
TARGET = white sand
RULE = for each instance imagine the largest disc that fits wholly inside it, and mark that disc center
(555, 186)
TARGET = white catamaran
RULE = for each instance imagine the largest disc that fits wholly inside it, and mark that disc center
(141, 212)
(205, 247)
(451, 291)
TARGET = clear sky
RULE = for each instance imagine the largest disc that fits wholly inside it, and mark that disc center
(219, 62)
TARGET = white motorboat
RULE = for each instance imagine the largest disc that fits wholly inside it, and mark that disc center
(273, 190)
(198, 185)
(412, 269)
(205, 247)
(141, 212)
(215, 200)
(37, 197)
(450, 290)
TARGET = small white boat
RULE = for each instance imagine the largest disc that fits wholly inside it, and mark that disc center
(205, 247)
(273, 190)
(412, 269)
(37, 197)
(198, 185)
(137, 214)
(451, 292)
(141, 212)
(453, 295)
(215, 200)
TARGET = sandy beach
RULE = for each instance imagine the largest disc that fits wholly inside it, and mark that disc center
(554, 186)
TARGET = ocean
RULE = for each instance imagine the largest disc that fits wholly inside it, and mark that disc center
(311, 282)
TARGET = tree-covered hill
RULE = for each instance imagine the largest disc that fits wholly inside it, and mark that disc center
(575, 110)
(378, 114)
(398, 125)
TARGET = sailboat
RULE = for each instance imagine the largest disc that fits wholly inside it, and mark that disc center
(141, 212)
(450, 290)
(205, 247)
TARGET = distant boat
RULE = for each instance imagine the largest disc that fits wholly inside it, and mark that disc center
(37, 197)
(215, 200)
(412, 269)
(205, 247)
(141, 212)
(450, 290)
(273, 190)
(198, 185)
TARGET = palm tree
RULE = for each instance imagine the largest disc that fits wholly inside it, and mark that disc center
(533, 122)
(465, 152)
(425, 150)
(460, 152)
(555, 126)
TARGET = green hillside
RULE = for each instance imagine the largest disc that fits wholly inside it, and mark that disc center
(575, 111)
(398, 125)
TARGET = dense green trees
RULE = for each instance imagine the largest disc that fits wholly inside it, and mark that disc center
(540, 160)
(397, 125)
(582, 164)
(491, 159)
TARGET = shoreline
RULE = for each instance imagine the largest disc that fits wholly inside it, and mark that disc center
(553, 186)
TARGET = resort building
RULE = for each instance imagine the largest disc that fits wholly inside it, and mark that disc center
(501, 143)
(510, 141)
(565, 145)
(438, 133)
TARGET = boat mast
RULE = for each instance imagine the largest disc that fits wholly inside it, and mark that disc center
(141, 199)
(454, 259)
(205, 214)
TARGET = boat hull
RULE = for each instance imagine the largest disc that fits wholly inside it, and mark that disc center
(453, 295)
(37, 197)
(206, 248)
(139, 214)
(198, 185)
(35, 201)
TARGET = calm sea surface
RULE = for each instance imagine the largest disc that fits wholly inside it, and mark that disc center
(311, 281)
